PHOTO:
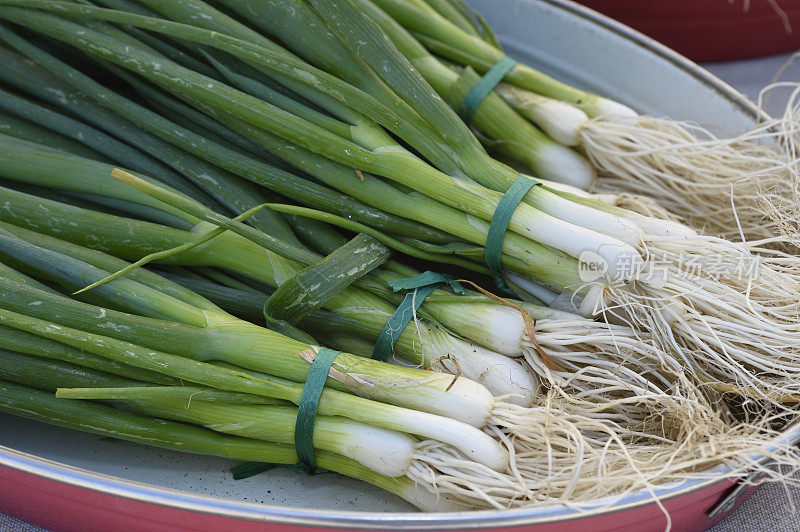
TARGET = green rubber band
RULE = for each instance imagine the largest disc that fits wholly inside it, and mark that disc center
(251, 469)
(307, 409)
(397, 323)
(422, 286)
(304, 425)
(426, 278)
(497, 228)
(484, 86)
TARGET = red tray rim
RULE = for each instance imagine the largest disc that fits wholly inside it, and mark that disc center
(250, 511)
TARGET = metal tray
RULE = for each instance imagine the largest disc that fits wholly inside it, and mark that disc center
(61, 479)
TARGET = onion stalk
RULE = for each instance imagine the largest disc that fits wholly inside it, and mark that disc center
(421, 343)
(102, 420)
(459, 45)
(621, 261)
(406, 169)
(334, 402)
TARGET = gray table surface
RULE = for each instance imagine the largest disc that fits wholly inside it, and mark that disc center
(772, 507)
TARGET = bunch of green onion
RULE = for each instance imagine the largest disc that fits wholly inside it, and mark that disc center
(742, 185)
(175, 341)
(181, 183)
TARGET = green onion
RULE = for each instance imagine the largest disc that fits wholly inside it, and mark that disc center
(338, 120)
(25, 130)
(105, 421)
(470, 440)
(108, 128)
(30, 344)
(481, 56)
(501, 375)
(399, 165)
(226, 412)
(384, 451)
(278, 180)
(213, 333)
(514, 136)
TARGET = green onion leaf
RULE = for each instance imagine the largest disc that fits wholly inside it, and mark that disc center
(314, 286)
